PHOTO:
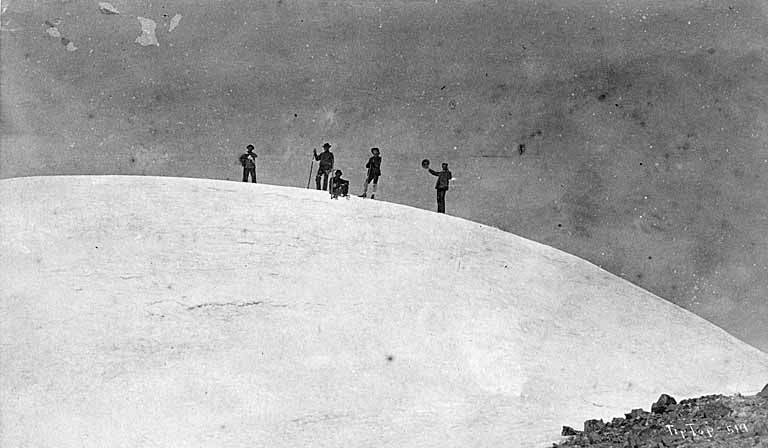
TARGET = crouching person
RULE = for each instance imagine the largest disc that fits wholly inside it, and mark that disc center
(339, 186)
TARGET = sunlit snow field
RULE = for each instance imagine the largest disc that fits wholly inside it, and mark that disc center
(144, 311)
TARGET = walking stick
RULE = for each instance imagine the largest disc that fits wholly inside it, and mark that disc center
(311, 165)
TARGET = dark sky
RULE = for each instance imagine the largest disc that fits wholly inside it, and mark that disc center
(645, 123)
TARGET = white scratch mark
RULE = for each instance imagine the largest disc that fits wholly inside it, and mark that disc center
(174, 22)
(107, 8)
(147, 36)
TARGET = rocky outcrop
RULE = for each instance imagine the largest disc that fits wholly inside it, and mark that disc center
(763, 393)
(709, 421)
(664, 403)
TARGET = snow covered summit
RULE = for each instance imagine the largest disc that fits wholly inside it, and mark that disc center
(141, 311)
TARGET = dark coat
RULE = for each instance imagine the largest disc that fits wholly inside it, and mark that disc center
(374, 166)
(337, 182)
(339, 186)
(248, 160)
(326, 159)
(442, 178)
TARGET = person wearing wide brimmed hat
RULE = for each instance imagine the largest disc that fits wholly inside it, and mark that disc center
(374, 171)
(326, 165)
(248, 160)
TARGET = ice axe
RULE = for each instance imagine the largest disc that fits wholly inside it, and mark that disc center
(311, 166)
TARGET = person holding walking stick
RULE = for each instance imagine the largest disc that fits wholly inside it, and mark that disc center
(325, 167)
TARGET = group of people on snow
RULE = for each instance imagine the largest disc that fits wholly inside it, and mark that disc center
(340, 186)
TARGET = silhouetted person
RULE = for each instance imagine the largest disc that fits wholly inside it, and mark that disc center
(374, 171)
(248, 160)
(339, 186)
(326, 165)
(443, 178)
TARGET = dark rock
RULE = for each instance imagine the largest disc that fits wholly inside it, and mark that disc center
(662, 404)
(594, 437)
(593, 425)
(709, 416)
(568, 431)
(763, 393)
(713, 410)
(636, 413)
(632, 441)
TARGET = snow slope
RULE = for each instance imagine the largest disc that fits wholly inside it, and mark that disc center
(141, 311)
